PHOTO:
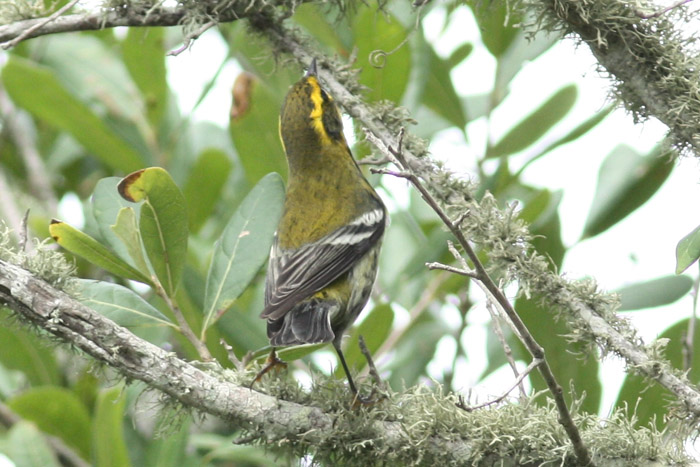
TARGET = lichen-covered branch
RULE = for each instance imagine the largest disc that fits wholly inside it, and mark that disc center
(589, 312)
(418, 427)
(656, 71)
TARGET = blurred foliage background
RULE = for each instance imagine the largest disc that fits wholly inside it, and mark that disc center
(96, 106)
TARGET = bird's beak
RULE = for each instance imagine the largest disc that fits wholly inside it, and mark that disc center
(312, 71)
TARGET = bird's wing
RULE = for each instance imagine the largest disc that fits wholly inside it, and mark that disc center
(296, 275)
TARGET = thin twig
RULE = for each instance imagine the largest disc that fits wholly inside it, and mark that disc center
(191, 37)
(536, 351)
(23, 234)
(185, 328)
(496, 321)
(370, 363)
(448, 268)
(518, 383)
(663, 11)
(28, 33)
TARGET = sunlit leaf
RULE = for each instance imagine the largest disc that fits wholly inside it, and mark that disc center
(107, 432)
(385, 62)
(254, 128)
(56, 411)
(653, 293)
(652, 402)
(163, 222)
(532, 127)
(83, 245)
(204, 184)
(688, 250)
(144, 57)
(119, 304)
(27, 446)
(48, 100)
(626, 181)
(374, 329)
(243, 247)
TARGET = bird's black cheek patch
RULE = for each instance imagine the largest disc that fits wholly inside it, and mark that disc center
(332, 123)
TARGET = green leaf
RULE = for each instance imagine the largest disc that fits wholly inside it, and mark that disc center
(83, 245)
(439, 94)
(203, 187)
(385, 62)
(163, 222)
(48, 100)
(580, 129)
(123, 306)
(144, 57)
(656, 292)
(107, 432)
(56, 411)
(688, 250)
(626, 181)
(536, 124)
(563, 356)
(243, 247)
(25, 352)
(106, 205)
(375, 328)
(496, 20)
(652, 402)
(254, 129)
(27, 447)
(127, 229)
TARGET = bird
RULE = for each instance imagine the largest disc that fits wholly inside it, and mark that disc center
(324, 257)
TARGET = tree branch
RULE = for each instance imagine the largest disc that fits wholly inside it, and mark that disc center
(589, 311)
(655, 70)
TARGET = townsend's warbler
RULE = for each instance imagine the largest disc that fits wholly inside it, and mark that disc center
(323, 261)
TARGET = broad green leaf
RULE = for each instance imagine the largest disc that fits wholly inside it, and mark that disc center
(563, 356)
(27, 447)
(415, 350)
(626, 181)
(203, 187)
(163, 222)
(385, 62)
(688, 250)
(375, 328)
(580, 129)
(311, 16)
(459, 54)
(48, 100)
(169, 450)
(23, 351)
(243, 247)
(521, 50)
(254, 128)
(439, 94)
(496, 21)
(536, 124)
(56, 411)
(119, 304)
(652, 401)
(83, 245)
(107, 431)
(653, 293)
(106, 204)
(144, 57)
(127, 229)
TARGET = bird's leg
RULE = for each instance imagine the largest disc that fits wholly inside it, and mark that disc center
(272, 362)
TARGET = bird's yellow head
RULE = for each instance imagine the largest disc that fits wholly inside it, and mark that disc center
(309, 118)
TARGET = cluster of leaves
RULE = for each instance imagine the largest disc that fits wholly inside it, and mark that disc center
(196, 229)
